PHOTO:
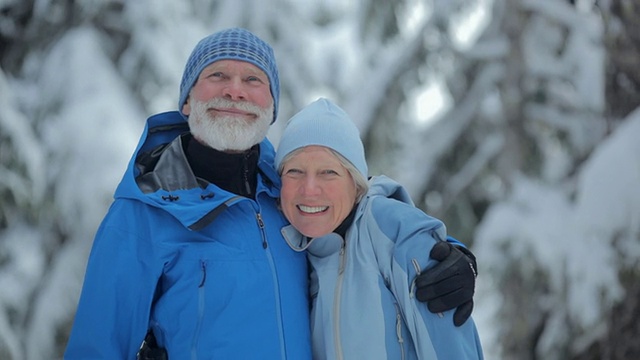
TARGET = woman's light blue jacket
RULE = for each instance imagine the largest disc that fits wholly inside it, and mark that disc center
(206, 269)
(363, 304)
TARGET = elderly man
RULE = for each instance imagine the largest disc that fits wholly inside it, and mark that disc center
(191, 250)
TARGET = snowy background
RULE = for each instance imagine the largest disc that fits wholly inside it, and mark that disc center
(515, 121)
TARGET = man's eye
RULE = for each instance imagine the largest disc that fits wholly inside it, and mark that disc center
(254, 79)
(293, 171)
(216, 74)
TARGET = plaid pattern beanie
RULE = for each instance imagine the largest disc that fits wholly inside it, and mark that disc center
(230, 44)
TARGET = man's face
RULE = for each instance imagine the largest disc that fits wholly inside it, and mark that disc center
(230, 107)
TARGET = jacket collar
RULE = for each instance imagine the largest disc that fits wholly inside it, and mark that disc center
(175, 189)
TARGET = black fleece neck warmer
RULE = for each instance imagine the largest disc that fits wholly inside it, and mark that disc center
(236, 173)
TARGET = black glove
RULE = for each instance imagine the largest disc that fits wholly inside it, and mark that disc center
(451, 283)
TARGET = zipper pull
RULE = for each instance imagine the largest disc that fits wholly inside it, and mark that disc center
(247, 184)
(261, 225)
(343, 259)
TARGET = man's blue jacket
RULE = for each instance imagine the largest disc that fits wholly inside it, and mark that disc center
(208, 271)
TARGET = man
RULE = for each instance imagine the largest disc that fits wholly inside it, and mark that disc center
(191, 248)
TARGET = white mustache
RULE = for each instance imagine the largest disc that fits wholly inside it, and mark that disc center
(239, 105)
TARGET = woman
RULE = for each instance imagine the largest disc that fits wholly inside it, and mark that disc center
(365, 243)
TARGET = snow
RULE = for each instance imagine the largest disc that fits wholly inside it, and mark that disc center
(608, 191)
(569, 237)
(16, 126)
(97, 115)
(71, 120)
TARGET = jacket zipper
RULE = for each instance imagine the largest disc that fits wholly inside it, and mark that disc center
(261, 225)
(336, 303)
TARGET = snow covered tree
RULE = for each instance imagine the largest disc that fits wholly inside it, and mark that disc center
(514, 121)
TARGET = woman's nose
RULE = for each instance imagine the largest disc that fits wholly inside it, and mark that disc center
(310, 186)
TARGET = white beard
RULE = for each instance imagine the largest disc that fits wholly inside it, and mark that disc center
(228, 133)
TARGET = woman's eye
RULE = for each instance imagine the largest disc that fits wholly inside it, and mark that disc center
(330, 172)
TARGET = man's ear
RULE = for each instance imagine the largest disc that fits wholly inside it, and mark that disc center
(186, 108)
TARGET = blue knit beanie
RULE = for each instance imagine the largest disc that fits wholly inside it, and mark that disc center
(231, 44)
(323, 123)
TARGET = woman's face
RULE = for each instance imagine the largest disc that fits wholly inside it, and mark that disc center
(317, 191)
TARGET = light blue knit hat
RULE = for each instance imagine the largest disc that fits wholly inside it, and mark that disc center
(323, 123)
(230, 44)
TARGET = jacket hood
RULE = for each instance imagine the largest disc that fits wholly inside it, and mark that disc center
(389, 188)
(159, 175)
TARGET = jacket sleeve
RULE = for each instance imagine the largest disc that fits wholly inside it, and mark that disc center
(123, 269)
(412, 234)
(454, 241)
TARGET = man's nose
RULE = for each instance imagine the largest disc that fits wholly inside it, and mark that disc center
(234, 90)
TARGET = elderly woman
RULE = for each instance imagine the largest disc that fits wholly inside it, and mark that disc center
(365, 243)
